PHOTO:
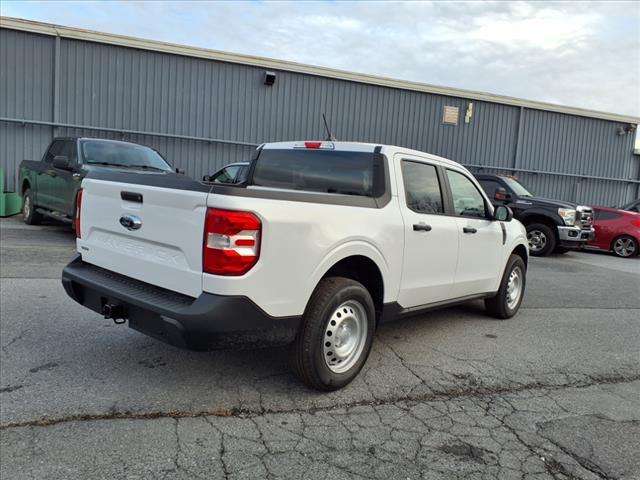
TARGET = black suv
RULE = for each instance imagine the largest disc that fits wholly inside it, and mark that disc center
(552, 225)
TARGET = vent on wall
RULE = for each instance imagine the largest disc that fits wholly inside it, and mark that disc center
(450, 115)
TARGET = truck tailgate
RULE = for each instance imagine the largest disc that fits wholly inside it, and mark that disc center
(166, 247)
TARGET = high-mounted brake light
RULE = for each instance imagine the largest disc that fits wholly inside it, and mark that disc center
(231, 242)
(78, 207)
(315, 145)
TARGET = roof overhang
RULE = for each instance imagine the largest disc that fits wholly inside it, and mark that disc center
(156, 46)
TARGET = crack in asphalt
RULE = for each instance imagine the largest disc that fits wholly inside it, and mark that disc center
(18, 337)
(583, 462)
(250, 413)
(581, 308)
(552, 465)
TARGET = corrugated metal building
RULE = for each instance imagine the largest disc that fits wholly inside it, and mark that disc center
(203, 109)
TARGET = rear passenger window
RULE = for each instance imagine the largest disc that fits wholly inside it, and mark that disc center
(422, 188)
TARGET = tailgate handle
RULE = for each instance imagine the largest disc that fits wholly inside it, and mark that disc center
(131, 197)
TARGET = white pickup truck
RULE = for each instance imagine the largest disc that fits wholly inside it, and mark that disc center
(323, 242)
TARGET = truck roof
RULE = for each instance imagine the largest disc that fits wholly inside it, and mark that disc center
(493, 175)
(96, 139)
(360, 147)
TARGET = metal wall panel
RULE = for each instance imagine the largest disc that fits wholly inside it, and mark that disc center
(117, 87)
(580, 146)
(109, 86)
(26, 86)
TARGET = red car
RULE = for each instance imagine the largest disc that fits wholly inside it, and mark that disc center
(616, 230)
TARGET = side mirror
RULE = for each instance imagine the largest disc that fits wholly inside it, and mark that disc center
(179, 171)
(61, 162)
(502, 213)
(206, 178)
(502, 195)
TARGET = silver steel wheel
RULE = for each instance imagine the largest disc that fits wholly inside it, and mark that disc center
(26, 207)
(624, 247)
(537, 240)
(514, 287)
(345, 336)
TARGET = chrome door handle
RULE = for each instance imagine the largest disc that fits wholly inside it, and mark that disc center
(421, 227)
(76, 175)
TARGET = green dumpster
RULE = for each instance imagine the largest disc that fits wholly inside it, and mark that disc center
(10, 202)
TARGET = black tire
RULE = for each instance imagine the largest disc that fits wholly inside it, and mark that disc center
(309, 350)
(29, 214)
(499, 305)
(625, 246)
(542, 239)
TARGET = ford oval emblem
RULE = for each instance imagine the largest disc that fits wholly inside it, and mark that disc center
(130, 222)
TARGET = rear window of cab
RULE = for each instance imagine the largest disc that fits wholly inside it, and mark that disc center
(324, 171)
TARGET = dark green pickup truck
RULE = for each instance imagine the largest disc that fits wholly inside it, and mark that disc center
(50, 187)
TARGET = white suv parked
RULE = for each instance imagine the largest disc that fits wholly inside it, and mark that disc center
(323, 242)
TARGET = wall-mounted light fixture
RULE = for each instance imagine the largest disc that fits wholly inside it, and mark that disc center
(626, 129)
(269, 78)
(469, 114)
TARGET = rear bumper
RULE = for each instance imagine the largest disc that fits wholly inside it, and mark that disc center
(574, 236)
(204, 323)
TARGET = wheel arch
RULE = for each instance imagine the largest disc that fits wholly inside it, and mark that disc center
(522, 252)
(540, 218)
(25, 185)
(364, 270)
(634, 237)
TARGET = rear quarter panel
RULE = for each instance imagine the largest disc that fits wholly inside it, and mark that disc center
(301, 241)
(606, 231)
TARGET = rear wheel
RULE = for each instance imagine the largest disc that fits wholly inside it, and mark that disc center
(336, 334)
(542, 240)
(29, 214)
(506, 303)
(625, 246)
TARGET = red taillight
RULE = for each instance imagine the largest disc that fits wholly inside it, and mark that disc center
(636, 223)
(231, 242)
(78, 207)
(316, 145)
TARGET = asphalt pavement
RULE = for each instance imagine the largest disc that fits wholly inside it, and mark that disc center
(551, 393)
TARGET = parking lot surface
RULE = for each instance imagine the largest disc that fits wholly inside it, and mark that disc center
(551, 393)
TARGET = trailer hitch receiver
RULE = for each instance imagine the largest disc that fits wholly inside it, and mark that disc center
(115, 312)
